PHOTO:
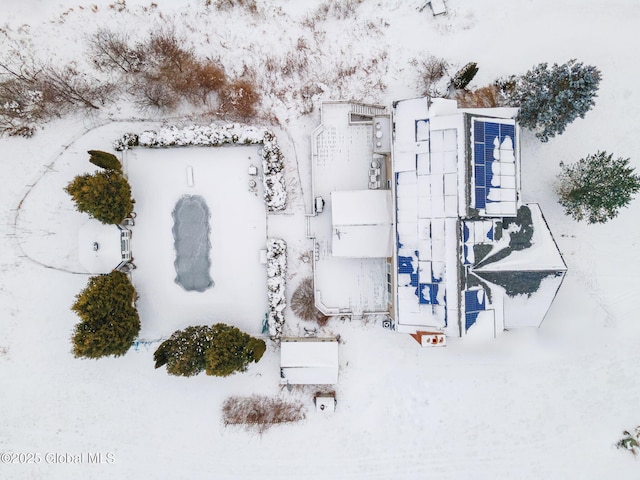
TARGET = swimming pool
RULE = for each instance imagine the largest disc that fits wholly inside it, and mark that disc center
(192, 245)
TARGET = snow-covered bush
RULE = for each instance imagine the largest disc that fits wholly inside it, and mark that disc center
(259, 412)
(630, 441)
(432, 73)
(276, 282)
(275, 194)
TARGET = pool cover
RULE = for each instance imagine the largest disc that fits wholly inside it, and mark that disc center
(192, 245)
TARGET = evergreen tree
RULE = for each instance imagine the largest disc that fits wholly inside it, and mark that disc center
(105, 160)
(109, 321)
(551, 98)
(232, 351)
(596, 187)
(106, 196)
(464, 76)
(184, 352)
(220, 350)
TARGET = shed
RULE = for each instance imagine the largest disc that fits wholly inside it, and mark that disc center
(309, 361)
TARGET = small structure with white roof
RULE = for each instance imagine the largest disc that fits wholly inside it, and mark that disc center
(309, 361)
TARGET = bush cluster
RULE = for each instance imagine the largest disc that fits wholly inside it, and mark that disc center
(109, 320)
(105, 195)
(219, 350)
(276, 283)
(259, 412)
(161, 72)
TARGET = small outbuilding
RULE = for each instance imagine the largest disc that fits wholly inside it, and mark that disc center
(309, 361)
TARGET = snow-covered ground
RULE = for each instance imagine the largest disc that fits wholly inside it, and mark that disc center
(547, 403)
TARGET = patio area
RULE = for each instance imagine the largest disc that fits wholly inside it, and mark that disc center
(344, 160)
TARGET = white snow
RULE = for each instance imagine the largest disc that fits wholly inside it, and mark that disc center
(546, 403)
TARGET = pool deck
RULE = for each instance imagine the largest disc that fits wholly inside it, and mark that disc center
(159, 178)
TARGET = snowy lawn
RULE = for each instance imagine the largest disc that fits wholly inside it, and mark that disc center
(539, 404)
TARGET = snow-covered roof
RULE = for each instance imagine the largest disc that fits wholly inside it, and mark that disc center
(523, 282)
(428, 170)
(309, 361)
(362, 223)
(100, 247)
(543, 254)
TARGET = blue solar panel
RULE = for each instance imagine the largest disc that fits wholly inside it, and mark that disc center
(491, 130)
(405, 264)
(480, 175)
(488, 152)
(478, 154)
(484, 135)
(478, 129)
(427, 293)
(466, 255)
(481, 197)
(471, 303)
(507, 131)
(470, 319)
(465, 233)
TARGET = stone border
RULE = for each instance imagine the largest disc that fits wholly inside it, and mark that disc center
(275, 195)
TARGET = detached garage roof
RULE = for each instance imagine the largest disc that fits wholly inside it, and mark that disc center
(362, 223)
(309, 361)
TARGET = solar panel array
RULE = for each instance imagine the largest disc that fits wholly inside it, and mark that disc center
(494, 167)
(474, 303)
(476, 232)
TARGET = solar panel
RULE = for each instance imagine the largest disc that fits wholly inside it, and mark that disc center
(470, 319)
(491, 140)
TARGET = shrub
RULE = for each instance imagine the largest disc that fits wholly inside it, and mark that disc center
(111, 51)
(551, 98)
(239, 98)
(260, 413)
(105, 160)
(630, 441)
(184, 352)
(220, 350)
(596, 187)
(231, 350)
(463, 77)
(109, 321)
(106, 196)
(484, 97)
(303, 303)
(431, 71)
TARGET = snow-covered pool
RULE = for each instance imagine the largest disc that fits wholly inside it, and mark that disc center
(191, 241)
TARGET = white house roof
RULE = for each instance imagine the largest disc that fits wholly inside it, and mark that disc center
(362, 223)
(100, 248)
(309, 361)
(542, 255)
